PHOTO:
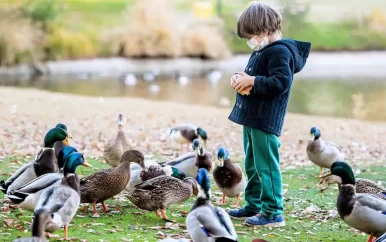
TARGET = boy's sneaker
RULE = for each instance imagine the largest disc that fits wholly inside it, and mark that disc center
(240, 213)
(260, 221)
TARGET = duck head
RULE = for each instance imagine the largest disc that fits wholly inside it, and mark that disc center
(202, 133)
(204, 183)
(196, 144)
(315, 133)
(135, 156)
(177, 173)
(72, 161)
(63, 153)
(343, 171)
(56, 134)
(42, 218)
(62, 126)
(222, 154)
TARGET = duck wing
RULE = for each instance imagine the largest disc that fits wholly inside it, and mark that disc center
(5, 184)
(39, 183)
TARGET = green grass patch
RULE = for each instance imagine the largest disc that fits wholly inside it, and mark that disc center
(307, 213)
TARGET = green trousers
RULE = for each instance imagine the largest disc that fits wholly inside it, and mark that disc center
(263, 193)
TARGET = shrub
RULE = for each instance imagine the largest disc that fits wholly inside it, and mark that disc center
(19, 37)
(62, 43)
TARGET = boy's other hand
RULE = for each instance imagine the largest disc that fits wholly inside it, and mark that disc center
(244, 81)
(234, 79)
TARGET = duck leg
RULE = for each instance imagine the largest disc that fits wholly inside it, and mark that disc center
(164, 217)
(49, 235)
(370, 238)
(157, 213)
(66, 232)
(104, 206)
(222, 202)
(321, 172)
(237, 201)
(95, 211)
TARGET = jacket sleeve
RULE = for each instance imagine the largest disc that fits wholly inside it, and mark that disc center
(280, 74)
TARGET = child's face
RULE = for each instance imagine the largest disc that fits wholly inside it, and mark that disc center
(259, 38)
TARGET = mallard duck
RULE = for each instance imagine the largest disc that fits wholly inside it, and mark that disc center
(186, 133)
(45, 162)
(364, 212)
(28, 195)
(361, 186)
(158, 193)
(104, 184)
(66, 194)
(153, 169)
(228, 177)
(59, 145)
(42, 218)
(323, 153)
(206, 222)
(118, 145)
(190, 162)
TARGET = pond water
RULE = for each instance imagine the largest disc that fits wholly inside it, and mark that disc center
(360, 99)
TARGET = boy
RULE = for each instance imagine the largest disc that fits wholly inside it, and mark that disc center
(261, 103)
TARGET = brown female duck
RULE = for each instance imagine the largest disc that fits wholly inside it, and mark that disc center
(104, 184)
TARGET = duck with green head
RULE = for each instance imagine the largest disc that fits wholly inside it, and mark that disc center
(152, 170)
(229, 177)
(186, 133)
(321, 152)
(191, 161)
(27, 196)
(364, 212)
(66, 194)
(45, 162)
(59, 145)
(206, 222)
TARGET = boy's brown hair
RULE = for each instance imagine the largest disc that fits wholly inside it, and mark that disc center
(258, 18)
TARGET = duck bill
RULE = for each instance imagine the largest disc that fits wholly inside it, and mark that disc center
(66, 142)
(221, 162)
(326, 174)
(86, 164)
(69, 136)
(321, 182)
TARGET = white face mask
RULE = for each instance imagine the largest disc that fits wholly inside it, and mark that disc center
(254, 45)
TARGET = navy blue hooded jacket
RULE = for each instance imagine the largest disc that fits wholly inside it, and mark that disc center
(274, 67)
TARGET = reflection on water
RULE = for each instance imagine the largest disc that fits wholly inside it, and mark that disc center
(360, 100)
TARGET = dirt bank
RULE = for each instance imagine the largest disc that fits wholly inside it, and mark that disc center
(25, 114)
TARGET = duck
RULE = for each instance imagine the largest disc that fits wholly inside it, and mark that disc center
(42, 218)
(160, 192)
(104, 184)
(59, 145)
(186, 133)
(66, 194)
(28, 195)
(228, 177)
(364, 212)
(45, 162)
(118, 145)
(152, 169)
(206, 222)
(321, 152)
(191, 161)
(362, 185)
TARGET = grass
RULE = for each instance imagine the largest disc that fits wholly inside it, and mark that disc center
(124, 222)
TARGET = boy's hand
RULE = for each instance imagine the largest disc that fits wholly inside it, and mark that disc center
(244, 81)
(246, 91)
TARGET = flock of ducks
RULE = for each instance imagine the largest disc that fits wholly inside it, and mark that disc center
(50, 187)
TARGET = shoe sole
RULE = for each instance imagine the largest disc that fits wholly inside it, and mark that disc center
(273, 225)
(240, 218)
